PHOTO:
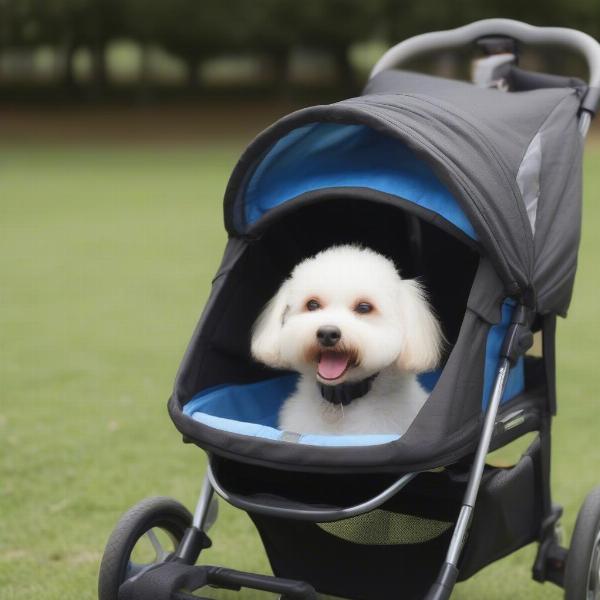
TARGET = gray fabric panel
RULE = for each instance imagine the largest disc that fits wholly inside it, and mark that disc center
(456, 399)
(487, 293)
(518, 114)
(190, 369)
(558, 225)
(528, 178)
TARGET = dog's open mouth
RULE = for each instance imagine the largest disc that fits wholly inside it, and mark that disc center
(332, 365)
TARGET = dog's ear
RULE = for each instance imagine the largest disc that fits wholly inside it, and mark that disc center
(266, 332)
(423, 337)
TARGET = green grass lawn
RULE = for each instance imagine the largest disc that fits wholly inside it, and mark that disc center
(107, 253)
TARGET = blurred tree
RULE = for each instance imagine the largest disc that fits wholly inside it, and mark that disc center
(197, 30)
(67, 25)
(271, 31)
(95, 23)
(334, 26)
(19, 25)
(189, 29)
(139, 23)
(27, 24)
(402, 20)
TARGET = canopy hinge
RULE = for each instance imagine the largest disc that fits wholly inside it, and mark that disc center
(519, 337)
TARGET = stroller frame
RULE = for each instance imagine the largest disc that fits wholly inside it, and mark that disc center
(518, 340)
(165, 580)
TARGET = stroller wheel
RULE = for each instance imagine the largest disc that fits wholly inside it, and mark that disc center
(147, 534)
(582, 574)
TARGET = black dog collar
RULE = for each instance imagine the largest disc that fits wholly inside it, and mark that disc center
(344, 393)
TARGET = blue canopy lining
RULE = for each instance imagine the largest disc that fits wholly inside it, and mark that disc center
(329, 155)
(252, 409)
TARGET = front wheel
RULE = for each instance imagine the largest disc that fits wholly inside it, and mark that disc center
(146, 535)
(582, 574)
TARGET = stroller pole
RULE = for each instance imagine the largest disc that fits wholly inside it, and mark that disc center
(517, 341)
(195, 538)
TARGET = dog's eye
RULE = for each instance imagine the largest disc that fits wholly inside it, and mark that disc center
(363, 308)
(313, 305)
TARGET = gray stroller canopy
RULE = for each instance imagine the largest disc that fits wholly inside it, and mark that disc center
(511, 161)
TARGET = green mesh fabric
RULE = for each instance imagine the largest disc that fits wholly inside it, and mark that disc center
(385, 528)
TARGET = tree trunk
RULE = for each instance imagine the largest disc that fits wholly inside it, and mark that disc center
(345, 71)
(145, 72)
(193, 77)
(279, 59)
(65, 56)
(99, 70)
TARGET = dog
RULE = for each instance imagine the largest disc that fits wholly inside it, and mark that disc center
(358, 335)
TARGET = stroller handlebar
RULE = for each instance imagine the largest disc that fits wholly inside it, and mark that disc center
(573, 39)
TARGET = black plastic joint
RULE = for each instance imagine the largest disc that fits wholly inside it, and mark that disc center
(548, 526)
(556, 563)
(193, 542)
(519, 337)
(550, 563)
(591, 100)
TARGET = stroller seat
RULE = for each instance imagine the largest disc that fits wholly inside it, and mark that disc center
(252, 409)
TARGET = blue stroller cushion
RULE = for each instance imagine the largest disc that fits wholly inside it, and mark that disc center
(252, 409)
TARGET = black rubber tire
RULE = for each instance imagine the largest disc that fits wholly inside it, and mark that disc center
(581, 551)
(162, 512)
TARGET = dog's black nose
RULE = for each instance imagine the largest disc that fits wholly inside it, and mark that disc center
(328, 335)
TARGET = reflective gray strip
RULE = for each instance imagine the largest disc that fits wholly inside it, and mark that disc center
(528, 178)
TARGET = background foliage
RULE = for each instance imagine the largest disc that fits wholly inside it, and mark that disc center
(43, 41)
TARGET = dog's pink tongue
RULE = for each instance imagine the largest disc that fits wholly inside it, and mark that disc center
(332, 365)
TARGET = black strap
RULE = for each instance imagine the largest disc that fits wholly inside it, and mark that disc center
(344, 393)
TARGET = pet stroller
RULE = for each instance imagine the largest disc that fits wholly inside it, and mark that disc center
(476, 190)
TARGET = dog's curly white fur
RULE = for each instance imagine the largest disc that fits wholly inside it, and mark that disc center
(345, 315)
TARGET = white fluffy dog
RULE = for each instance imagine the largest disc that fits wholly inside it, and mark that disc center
(358, 334)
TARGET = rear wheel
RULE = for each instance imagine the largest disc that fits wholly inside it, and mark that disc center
(146, 535)
(582, 574)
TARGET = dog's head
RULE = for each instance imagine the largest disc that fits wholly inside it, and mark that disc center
(344, 315)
